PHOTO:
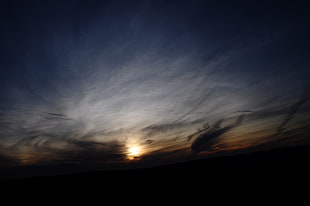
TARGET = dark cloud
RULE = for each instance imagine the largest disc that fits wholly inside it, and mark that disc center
(208, 139)
(86, 151)
(195, 107)
(56, 116)
(245, 111)
(163, 128)
(93, 152)
(44, 145)
(166, 156)
(148, 141)
(205, 127)
(285, 135)
(92, 145)
(27, 141)
(292, 111)
(6, 161)
(292, 137)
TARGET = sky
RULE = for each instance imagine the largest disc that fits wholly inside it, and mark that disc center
(122, 84)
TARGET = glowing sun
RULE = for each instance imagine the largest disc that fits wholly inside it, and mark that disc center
(133, 152)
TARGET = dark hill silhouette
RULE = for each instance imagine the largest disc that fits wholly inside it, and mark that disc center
(278, 169)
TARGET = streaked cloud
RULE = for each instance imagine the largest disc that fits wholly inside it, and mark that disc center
(180, 83)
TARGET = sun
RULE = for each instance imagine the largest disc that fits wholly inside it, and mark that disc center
(133, 152)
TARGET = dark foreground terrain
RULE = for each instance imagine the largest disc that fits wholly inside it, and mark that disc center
(281, 169)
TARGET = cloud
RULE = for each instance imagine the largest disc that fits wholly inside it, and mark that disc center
(292, 111)
(93, 152)
(56, 116)
(165, 128)
(82, 93)
(46, 149)
(269, 129)
(208, 139)
(195, 106)
(6, 161)
(33, 137)
(288, 135)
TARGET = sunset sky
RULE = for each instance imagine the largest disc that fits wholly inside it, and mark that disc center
(117, 84)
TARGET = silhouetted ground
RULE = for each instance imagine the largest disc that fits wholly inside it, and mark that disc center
(282, 169)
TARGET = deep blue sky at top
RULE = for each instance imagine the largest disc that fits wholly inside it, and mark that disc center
(30, 28)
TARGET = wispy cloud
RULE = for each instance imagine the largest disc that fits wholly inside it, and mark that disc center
(168, 82)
